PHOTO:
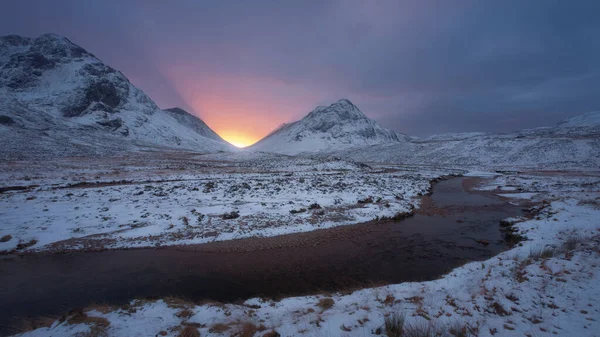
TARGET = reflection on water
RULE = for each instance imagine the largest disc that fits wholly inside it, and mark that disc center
(419, 248)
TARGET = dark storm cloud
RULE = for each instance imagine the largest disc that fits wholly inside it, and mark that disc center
(420, 67)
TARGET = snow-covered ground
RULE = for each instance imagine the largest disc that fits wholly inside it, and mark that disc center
(547, 285)
(139, 202)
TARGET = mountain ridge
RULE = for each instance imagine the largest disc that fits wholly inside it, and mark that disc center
(571, 144)
(57, 99)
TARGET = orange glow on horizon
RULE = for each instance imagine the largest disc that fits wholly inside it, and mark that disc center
(236, 139)
(240, 123)
(241, 110)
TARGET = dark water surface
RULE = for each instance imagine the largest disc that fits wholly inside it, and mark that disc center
(419, 248)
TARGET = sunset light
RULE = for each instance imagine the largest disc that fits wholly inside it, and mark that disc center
(241, 110)
(237, 139)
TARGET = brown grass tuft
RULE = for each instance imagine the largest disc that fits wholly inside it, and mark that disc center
(248, 329)
(177, 303)
(394, 324)
(189, 331)
(30, 324)
(78, 316)
(28, 244)
(185, 314)
(103, 308)
(326, 303)
(219, 328)
(389, 300)
(499, 309)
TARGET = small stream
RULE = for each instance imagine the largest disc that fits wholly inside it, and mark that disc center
(419, 248)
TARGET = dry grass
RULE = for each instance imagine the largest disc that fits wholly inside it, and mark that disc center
(572, 243)
(103, 308)
(512, 237)
(178, 303)
(97, 325)
(461, 330)
(314, 206)
(78, 316)
(296, 211)
(185, 220)
(595, 203)
(389, 300)
(326, 303)
(219, 328)
(28, 244)
(189, 331)
(231, 215)
(536, 254)
(421, 330)
(30, 324)
(520, 274)
(397, 217)
(247, 329)
(394, 324)
(185, 314)
(499, 309)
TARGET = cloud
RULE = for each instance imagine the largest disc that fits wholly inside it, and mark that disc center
(420, 67)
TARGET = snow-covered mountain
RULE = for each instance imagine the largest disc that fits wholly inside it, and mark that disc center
(587, 120)
(573, 143)
(195, 123)
(336, 127)
(57, 99)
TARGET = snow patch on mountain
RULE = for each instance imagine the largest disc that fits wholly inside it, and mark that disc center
(195, 123)
(338, 126)
(590, 119)
(573, 143)
(57, 99)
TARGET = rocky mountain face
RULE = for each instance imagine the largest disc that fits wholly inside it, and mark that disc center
(194, 123)
(57, 99)
(336, 127)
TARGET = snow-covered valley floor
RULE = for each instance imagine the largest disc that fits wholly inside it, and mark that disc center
(88, 204)
(547, 285)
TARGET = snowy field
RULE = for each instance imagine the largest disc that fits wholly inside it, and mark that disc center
(547, 285)
(188, 199)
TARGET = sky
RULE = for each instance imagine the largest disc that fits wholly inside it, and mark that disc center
(417, 67)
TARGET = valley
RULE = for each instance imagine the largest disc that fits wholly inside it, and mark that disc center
(121, 218)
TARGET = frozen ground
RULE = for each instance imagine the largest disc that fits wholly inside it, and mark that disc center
(547, 285)
(171, 199)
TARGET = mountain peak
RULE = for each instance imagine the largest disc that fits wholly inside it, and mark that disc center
(343, 109)
(327, 128)
(344, 101)
(52, 37)
(50, 83)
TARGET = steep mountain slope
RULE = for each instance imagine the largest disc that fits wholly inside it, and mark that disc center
(195, 123)
(338, 126)
(573, 143)
(56, 99)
